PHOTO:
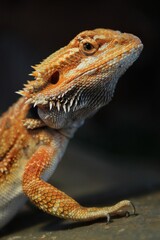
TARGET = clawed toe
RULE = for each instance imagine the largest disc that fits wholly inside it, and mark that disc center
(121, 209)
(133, 209)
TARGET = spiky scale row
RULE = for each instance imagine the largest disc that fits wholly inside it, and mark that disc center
(31, 123)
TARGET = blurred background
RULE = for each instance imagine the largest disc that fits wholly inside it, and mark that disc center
(128, 128)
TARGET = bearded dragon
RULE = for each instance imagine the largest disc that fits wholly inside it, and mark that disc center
(67, 87)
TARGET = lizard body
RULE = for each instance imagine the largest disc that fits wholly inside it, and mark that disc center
(68, 87)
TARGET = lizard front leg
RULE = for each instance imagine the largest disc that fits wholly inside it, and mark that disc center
(53, 201)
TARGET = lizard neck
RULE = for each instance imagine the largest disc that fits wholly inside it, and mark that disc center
(70, 130)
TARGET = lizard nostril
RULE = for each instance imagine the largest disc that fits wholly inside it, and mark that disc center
(54, 78)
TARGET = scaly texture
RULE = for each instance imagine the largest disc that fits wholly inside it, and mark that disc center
(69, 86)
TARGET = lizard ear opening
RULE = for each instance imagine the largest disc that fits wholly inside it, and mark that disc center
(54, 78)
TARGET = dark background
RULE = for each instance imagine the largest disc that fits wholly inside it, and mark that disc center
(31, 30)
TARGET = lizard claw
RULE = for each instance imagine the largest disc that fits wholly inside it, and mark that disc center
(108, 218)
(133, 210)
(127, 214)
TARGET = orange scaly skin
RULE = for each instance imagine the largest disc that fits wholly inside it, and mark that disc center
(68, 87)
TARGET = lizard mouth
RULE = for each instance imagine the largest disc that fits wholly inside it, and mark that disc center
(66, 101)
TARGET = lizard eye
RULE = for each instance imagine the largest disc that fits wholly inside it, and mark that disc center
(88, 46)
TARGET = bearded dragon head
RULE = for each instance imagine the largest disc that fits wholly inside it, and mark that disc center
(74, 82)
